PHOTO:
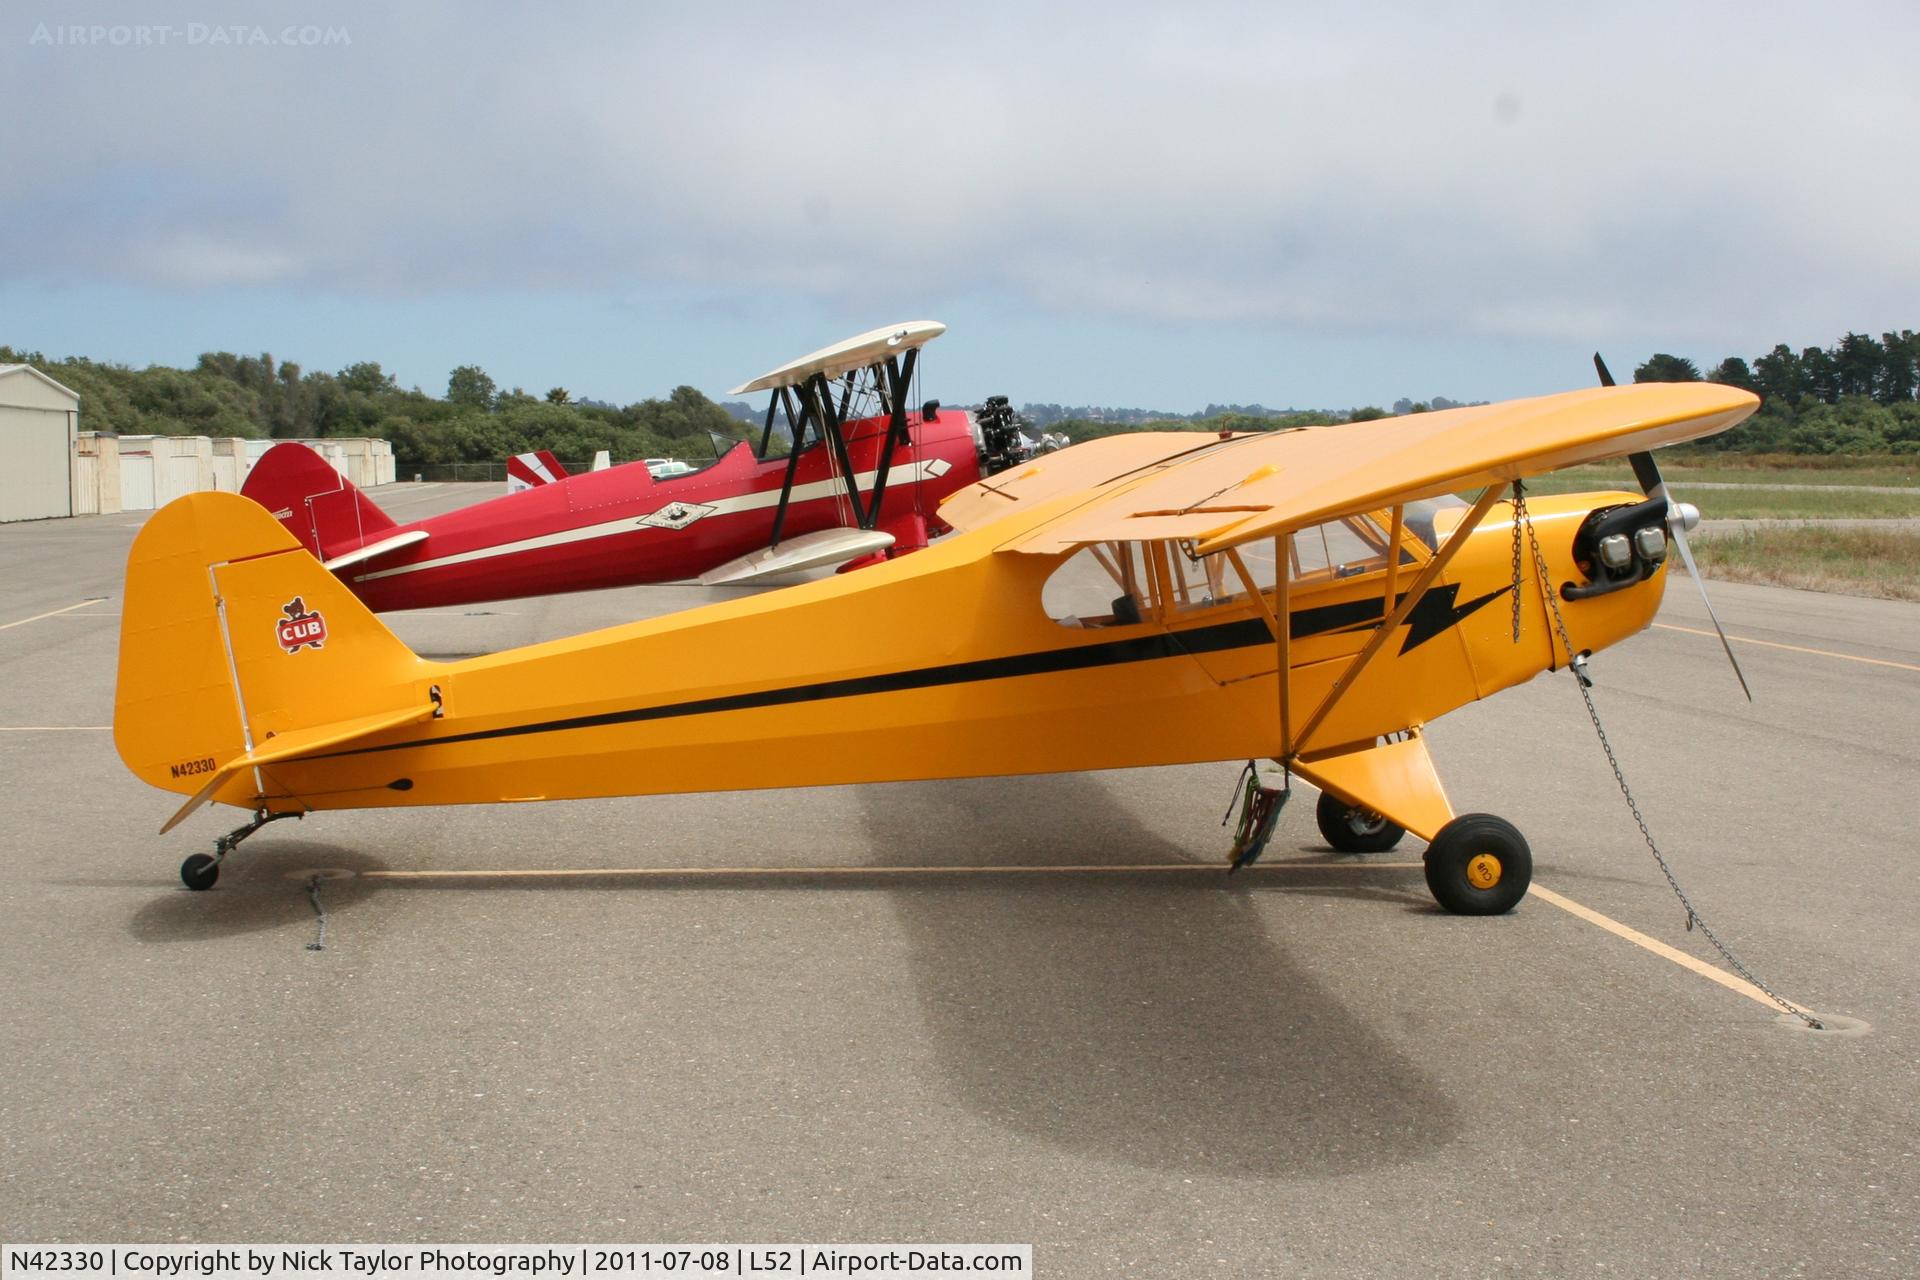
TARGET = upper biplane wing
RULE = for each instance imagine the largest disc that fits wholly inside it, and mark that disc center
(858, 352)
(1228, 491)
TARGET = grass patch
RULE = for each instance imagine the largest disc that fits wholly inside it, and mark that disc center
(1799, 504)
(1746, 503)
(1868, 468)
(1755, 469)
(1857, 562)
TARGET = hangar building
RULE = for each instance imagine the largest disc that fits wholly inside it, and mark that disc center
(38, 419)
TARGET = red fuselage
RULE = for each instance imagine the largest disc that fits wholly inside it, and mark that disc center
(621, 527)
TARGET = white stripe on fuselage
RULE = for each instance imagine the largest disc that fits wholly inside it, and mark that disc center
(912, 474)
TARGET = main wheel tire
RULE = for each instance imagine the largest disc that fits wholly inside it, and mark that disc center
(1353, 829)
(199, 872)
(1479, 865)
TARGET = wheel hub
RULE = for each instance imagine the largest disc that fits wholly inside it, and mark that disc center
(1483, 871)
(1364, 822)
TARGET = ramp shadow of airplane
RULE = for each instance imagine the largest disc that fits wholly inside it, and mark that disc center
(1154, 1020)
(1146, 1017)
(270, 893)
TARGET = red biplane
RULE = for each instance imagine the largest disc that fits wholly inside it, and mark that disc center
(843, 472)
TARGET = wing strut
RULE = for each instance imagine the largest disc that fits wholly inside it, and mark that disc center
(821, 399)
(1282, 631)
(899, 381)
(1415, 594)
(796, 431)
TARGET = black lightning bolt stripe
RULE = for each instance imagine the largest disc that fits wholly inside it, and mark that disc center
(1434, 614)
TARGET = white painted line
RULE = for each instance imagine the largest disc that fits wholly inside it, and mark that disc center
(55, 728)
(51, 613)
(749, 873)
(1793, 648)
(1712, 973)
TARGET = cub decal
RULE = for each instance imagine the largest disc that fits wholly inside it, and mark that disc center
(301, 627)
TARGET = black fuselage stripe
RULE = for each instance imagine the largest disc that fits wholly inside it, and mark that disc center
(1148, 648)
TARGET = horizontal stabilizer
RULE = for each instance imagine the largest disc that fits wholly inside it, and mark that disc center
(808, 551)
(374, 550)
(301, 742)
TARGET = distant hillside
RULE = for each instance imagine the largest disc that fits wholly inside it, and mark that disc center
(1856, 397)
(229, 395)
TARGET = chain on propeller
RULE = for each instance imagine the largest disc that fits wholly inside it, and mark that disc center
(1694, 918)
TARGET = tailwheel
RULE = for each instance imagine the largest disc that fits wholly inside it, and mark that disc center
(200, 871)
(1479, 865)
(1352, 828)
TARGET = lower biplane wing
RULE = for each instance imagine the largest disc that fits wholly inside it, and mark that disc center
(808, 551)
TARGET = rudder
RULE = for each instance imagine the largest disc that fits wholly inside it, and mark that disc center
(314, 502)
(231, 635)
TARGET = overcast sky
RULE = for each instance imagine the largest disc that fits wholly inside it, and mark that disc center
(1144, 204)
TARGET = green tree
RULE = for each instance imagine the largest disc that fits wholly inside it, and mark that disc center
(470, 386)
(1859, 365)
(367, 378)
(1733, 372)
(1780, 376)
(559, 395)
(1662, 367)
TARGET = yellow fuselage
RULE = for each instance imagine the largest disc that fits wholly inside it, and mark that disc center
(941, 664)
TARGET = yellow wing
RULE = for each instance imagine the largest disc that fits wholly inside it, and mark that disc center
(1220, 492)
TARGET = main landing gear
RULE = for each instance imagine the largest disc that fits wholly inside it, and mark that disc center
(200, 870)
(1477, 865)
(1351, 828)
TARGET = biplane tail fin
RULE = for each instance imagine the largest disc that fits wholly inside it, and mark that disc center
(237, 648)
(531, 470)
(314, 502)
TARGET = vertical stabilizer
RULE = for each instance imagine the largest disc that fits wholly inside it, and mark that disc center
(314, 502)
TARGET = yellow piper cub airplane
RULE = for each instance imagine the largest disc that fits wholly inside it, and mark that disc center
(1130, 601)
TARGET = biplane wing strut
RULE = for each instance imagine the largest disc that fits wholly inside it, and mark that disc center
(888, 357)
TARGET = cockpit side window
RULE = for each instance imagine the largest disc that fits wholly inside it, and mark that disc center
(1106, 584)
(1344, 548)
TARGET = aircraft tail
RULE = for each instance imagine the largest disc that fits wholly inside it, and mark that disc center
(315, 503)
(530, 470)
(237, 650)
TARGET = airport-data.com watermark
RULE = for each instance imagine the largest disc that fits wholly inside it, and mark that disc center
(190, 35)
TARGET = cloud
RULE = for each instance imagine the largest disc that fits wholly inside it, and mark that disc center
(1502, 171)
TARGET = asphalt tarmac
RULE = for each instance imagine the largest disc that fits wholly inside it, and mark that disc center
(884, 1030)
